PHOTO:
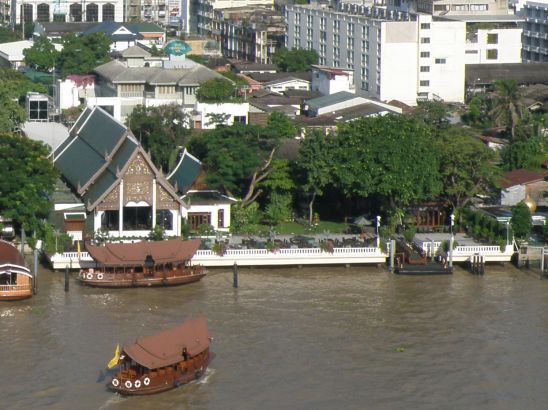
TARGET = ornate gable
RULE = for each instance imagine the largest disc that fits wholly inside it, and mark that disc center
(139, 166)
(111, 201)
(164, 200)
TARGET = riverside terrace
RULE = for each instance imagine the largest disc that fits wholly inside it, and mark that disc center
(285, 250)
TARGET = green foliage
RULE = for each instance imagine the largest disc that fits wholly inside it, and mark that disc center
(482, 225)
(434, 113)
(478, 112)
(278, 209)
(28, 179)
(521, 220)
(7, 35)
(157, 52)
(239, 81)
(161, 131)
(279, 180)
(247, 219)
(393, 157)
(13, 88)
(527, 153)
(216, 91)
(466, 167)
(42, 55)
(410, 233)
(507, 105)
(157, 233)
(296, 59)
(205, 230)
(281, 126)
(197, 58)
(81, 54)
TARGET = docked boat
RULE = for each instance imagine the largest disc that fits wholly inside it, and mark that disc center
(159, 263)
(163, 361)
(15, 278)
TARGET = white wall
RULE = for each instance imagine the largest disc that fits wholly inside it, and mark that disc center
(68, 93)
(289, 85)
(213, 211)
(508, 47)
(203, 109)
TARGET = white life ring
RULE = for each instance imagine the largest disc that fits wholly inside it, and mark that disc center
(146, 381)
(137, 384)
(89, 276)
(128, 384)
(115, 382)
(99, 276)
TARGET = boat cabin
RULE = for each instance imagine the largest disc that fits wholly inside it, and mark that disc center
(15, 278)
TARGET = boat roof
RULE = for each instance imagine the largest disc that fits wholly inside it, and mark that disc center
(166, 348)
(11, 260)
(134, 254)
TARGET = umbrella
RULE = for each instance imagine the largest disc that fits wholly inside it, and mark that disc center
(362, 221)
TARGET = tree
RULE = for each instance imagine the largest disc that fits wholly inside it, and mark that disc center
(528, 153)
(28, 179)
(394, 157)
(466, 167)
(521, 220)
(296, 59)
(279, 186)
(478, 114)
(13, 89)
(508, 107)
(7, 35)
(42, 55)
(216, 91)
(161, 130)
(81, 54)
(281, 126)
(434, 113)
(315, 167)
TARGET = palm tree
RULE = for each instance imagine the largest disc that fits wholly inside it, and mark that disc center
(508, 106)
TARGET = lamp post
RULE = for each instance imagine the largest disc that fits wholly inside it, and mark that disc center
(378, 224)
(508, 232)
(451, 241)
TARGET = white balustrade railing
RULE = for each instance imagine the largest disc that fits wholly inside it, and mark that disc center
(288, 251)
(463, 249)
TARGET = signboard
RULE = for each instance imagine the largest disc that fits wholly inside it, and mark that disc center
(177, 48)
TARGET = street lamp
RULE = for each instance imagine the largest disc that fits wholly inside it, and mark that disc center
(508, 232)
(451, 242)
(378, 224)
(452, 223)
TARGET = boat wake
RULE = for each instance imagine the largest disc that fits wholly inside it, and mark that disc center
(205, 378)
(112, 401)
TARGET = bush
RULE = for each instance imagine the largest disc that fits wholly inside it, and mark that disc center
(409, 233)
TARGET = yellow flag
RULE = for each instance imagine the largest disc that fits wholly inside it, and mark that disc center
(114, 361)
(78, 245)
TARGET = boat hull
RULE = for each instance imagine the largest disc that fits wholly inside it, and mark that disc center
(139, 387)
(142, 282)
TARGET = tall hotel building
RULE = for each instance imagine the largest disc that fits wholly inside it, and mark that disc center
(394, 55)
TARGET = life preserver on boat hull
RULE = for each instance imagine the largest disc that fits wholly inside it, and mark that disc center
(128, 384)
(115, 382)
(137, 384)
(100, 276)
(146, 381)
(89, 276)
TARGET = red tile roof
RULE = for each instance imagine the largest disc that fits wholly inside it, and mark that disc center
(521, 176)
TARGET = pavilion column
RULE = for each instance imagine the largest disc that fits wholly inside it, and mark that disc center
(153, 203)
(121, 210)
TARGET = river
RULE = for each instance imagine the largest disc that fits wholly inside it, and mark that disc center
(310, 338)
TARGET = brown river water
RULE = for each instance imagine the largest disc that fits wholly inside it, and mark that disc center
(311, 338)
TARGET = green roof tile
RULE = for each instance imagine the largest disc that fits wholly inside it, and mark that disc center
(185, 173)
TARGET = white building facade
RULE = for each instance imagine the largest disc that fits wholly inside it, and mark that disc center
(535, 30)
(27, 11)
(391, 59)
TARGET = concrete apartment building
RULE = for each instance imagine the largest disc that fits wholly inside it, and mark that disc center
(18, 11)
(397, 52)
(535, 29)
(401, 57)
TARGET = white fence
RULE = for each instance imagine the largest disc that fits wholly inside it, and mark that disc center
(254, 257)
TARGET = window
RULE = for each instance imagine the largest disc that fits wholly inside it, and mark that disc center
(26, 11)
(166, 89)
(38, 110)
(137, 218)
(424, 83)
(478, 7)
(350, 59)
(322, 23)
(110, 220)
(425, 54)
(425, 40)
(195, 219)
(492, 38)
(92, 12)
(42, 11)
(471, 52)
(240, 119)
(108, 12)
(350, 42)
(336, 39)
(365, 45)
(425, 69)
(350, 29)
(459, 7)
(365, 59)
(220, 218)
(365, 73)
(323, 36)
(365, 85)
(441, 61)
(309, 45)
(336, 25)
(365, 32)
(164, 218)
(309, 33)
(492, 54)
(425, 26)
(309, 21)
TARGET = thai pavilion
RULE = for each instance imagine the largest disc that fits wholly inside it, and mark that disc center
(121, 189)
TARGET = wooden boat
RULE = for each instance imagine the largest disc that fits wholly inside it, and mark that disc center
(15, 277)
(161, 362)
(161, 263)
